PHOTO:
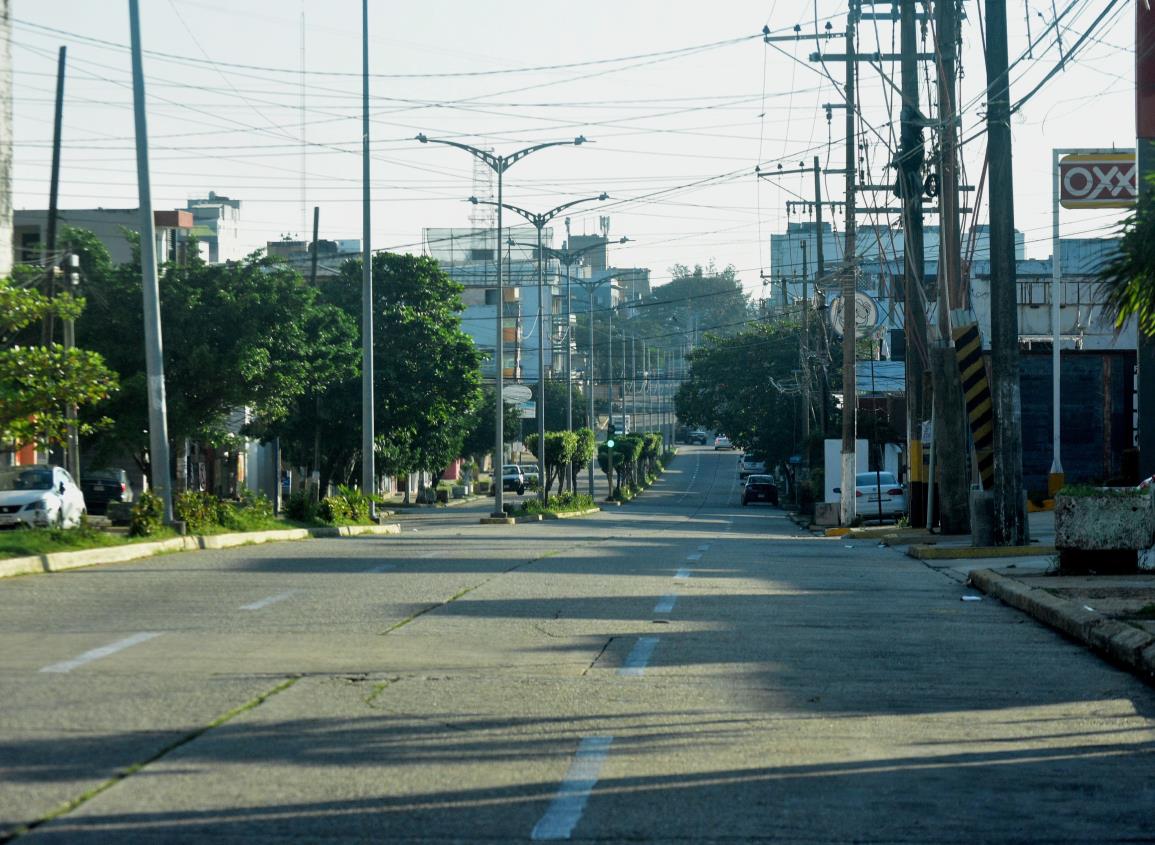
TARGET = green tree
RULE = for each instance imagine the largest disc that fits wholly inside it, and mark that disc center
(426, 369)
(39, 383)
(555, 414)
(1128, 279)
(480, 433)
(560, 447)
(249, 335)
(746, 386)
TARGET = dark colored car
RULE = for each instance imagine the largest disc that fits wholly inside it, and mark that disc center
(760, 488)
(101, 486)
(698, 437)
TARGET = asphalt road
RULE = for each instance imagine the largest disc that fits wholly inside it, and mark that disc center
(680, 670)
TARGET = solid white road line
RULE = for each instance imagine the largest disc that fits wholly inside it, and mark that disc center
(265, 602)
(682, 574)
(638, 657)
(666, 603)
(566, 809)
(694, 556)
(103, 651)
(385, 567)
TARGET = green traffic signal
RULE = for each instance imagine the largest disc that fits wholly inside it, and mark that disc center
(609, 444)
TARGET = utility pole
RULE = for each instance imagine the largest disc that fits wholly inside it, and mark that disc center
(804, 355)
(158, 454)
(1145, 155)
(849, 270)
(910, 190)
(1010, 524)
(6, 253)
(368, 435)
(951, 436)
(49, 330)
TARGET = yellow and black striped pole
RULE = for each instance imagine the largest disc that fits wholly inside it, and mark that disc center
(977, 392)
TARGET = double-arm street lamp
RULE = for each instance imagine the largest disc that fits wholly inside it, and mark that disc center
(568, 257)
(499, 164)
(538, 221)
(590, 286)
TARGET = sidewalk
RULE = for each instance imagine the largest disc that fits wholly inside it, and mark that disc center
(1113, 615)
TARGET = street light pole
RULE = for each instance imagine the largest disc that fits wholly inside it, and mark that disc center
(499, 164)
(590, 287)
(538, 221)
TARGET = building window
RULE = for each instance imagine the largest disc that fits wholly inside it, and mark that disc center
(491, 296)
(481, 254)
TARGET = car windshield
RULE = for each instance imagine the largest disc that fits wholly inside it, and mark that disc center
(760, 479)
(102, 475)
(872, 479)
(511, 469)
(25, 479)
(529, 468)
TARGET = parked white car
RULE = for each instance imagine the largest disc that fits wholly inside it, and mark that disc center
(39, 496)
(878, 492)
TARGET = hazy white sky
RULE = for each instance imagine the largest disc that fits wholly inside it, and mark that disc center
(681, 100)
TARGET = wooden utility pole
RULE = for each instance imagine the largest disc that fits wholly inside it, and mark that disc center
(910, 190)
(849, 270)
(804, 356)
(1010, 515)
(950, 432)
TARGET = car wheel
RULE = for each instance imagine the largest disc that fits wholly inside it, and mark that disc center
(521, 490)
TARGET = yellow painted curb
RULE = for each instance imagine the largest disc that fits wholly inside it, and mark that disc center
(976, 552)
(836, 532)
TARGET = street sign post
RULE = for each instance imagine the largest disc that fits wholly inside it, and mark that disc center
(1080, 178)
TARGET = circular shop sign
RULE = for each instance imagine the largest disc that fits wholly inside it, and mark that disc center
(866, 314)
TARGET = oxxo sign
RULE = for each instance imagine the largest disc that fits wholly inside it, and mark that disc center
(1098, 180)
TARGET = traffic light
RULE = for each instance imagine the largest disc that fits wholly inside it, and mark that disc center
(610, 432)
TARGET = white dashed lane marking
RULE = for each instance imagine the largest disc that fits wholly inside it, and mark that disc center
(103, 651)
(566, 809)
(638, 657)
(666, 603)
(265, 602)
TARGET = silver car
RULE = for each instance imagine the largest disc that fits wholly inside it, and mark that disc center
(39, 496)
(878, 492)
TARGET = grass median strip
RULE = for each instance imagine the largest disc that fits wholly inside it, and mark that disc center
(70, 805)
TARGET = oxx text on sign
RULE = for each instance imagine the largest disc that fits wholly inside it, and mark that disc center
(1098, 180)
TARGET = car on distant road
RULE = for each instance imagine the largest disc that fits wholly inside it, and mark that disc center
(877, 493)
(39, 496)
(102, 486)
(698, 437)
(760, 488)
(749, 465)
(512, 478)
(722, 442)
(532, 475)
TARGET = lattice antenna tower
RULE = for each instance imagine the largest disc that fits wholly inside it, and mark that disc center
(483, 216)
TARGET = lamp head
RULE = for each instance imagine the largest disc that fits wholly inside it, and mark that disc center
(473, 200)
(623, 240)
(603, 196)
(421, 137)
(579, 140)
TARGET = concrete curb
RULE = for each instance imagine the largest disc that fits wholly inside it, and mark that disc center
(1121, 643)
(922, 552)
(570, 514)
(63, 561)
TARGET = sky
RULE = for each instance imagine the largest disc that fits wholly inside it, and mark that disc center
(261, 101)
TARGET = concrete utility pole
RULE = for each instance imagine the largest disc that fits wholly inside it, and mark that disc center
(48, 334)
(910, 164)
(951, 436)
(1010, 524)
(804, 356)
(158, 454)
(1145, 154)
(849, 270)
(5, 139)
(368, 434)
